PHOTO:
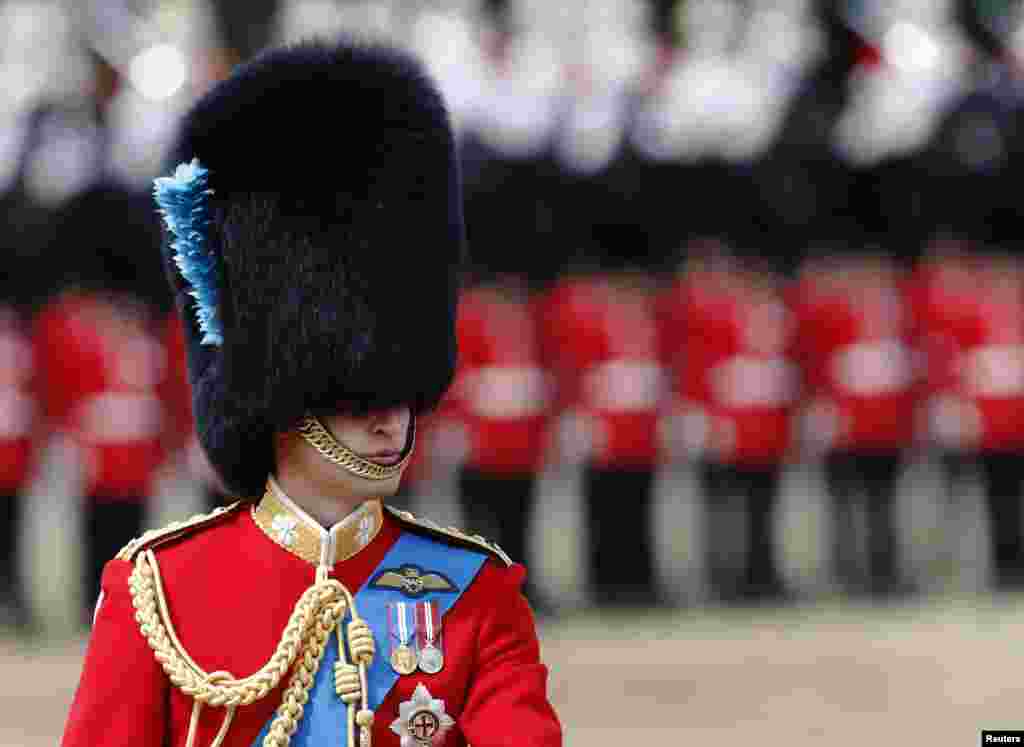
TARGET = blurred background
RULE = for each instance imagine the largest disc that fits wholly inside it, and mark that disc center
(741, 349)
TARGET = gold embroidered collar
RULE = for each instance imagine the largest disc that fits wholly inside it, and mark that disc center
(298, 533)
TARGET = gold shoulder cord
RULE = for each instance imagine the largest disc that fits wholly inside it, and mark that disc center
(316, 615)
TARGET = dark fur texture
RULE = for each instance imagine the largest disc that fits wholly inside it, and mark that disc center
(338, 219)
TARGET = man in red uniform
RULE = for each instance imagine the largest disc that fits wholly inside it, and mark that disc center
(308, 613)
(943, 295)
(102, 360)
(180, 437)
(860, 403)
(984, 396)
(501, 396)
(25, 231)
(19, 428)
(603, 348)
(728, 336)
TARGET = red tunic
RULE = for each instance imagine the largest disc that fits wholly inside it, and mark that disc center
(174, 388)
(734, 383)
(501, 391)
(858, 368)
(19, 411)
(975, 342)
(602, 345)
(102, 367)
(175, 392)
(439, 443)
(229, 618)
(944, 298)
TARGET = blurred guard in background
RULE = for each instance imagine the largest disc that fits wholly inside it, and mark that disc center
(501, 396)
(943, 295)
(24, 234)
(972, 168)
(19, 418)
(102, 360)
(729, 338)
(978, 401)
(180, 437)
(992, 381)
(859, 405)
(603, 337)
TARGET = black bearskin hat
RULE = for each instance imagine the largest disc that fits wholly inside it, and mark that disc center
(107, 238)
(315, 236)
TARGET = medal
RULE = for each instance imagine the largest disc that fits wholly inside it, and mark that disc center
(403, 658)
(431, 658)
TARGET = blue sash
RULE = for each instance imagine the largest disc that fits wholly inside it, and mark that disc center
(324, 718)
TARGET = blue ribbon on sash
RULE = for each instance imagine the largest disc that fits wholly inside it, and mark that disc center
(324, 717)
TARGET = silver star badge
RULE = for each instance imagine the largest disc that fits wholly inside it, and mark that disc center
(421, 720)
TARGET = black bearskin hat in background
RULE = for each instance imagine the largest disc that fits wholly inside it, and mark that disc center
(332, 246)
(107, 238)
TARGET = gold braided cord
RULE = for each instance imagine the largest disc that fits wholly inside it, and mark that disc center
(318, 612)
(292, 707)
(346, 682)
(154, 621)
(321, 439)
(197, 707)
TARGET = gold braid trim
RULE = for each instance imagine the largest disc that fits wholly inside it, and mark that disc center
(175, 529)
(318, 612)
(451, 533)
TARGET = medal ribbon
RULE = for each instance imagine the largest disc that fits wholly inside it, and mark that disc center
(324, 719)
(403, 624)
(426, 613)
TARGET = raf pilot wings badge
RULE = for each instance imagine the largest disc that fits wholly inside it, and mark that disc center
(412, 581)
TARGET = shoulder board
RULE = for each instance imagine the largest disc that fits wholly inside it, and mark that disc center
(451, 535)
(174, 530)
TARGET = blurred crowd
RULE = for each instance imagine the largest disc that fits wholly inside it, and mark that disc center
(735, 235)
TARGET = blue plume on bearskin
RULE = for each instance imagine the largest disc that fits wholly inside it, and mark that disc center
(184, 204)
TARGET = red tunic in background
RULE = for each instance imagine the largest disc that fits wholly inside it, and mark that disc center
(990, 365)
(431, 449)
(944, 299)
(174, 388)
(602, 344)
(858, 369)
(734, 383)
(176, 393)
(19, 410)
(501, 391)
(101, 367)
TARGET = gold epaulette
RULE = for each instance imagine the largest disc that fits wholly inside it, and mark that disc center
(172, 531)
(451, 534)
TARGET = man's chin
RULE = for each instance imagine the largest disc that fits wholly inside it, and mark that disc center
(379, 488)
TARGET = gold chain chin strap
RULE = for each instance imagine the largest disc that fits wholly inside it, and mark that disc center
(321, 439)
(318, 612)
